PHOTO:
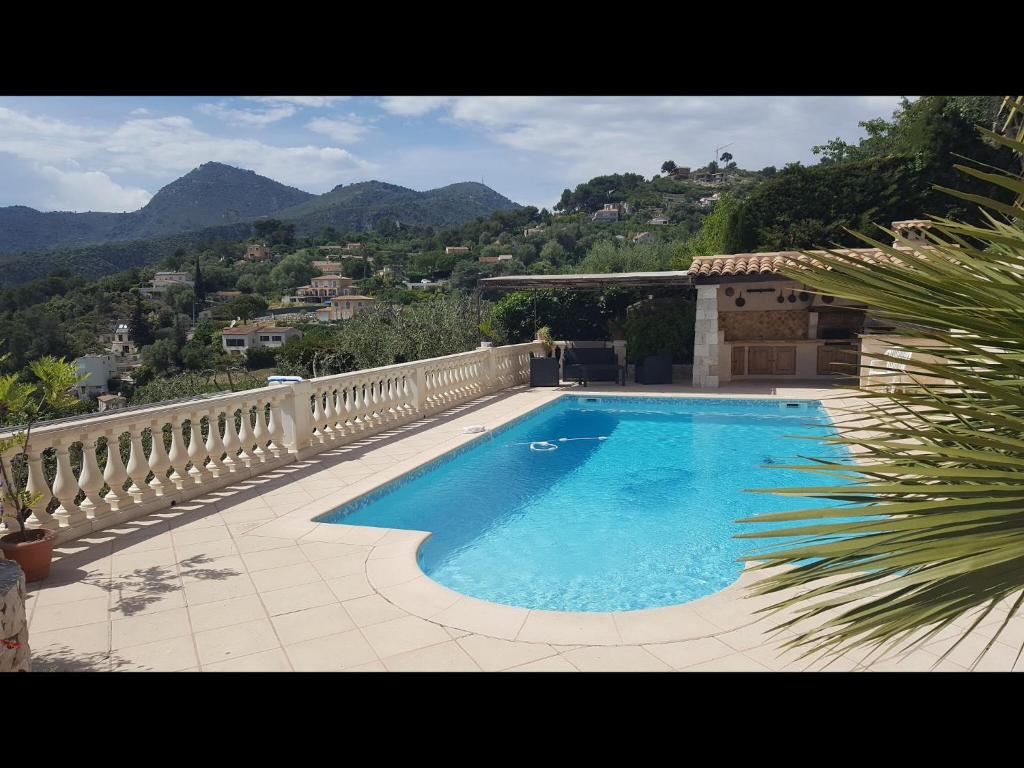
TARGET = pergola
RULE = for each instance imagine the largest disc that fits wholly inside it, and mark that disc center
(668, 279)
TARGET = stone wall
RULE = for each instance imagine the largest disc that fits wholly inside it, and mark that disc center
(764, 324)
(705, 337)
(15, 655)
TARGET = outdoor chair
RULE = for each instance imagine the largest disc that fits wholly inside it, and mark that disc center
(585, 364)
(655, 369)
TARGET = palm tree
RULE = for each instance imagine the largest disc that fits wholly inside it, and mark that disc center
(930, 524)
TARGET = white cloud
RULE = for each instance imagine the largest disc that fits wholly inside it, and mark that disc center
(70, 165)
(345, 131)
(247, 117)
(139, 111)
(301, 101)
(88, 191)
(413, 106)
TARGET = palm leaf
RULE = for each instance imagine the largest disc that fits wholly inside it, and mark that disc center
(929, 526)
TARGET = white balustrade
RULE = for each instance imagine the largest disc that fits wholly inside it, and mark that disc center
(275, 425)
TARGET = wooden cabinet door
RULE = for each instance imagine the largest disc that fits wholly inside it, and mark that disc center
(739, 361)
(759, 361)
(785, 361)
(828, 356)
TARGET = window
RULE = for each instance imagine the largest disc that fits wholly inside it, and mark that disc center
(275, 338)
(234, 342)
(264, 338)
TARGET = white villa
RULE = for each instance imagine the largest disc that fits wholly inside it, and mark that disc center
(242, 338)
(326, 286)
(344, 307)
(164, 280)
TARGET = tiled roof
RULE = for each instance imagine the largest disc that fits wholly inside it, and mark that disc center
(744, 264)
(339, 299)
(245, 330)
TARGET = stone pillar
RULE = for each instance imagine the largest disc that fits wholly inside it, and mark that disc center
(705, 338)
(15, 655)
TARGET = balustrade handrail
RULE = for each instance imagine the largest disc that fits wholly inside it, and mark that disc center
(278, 424)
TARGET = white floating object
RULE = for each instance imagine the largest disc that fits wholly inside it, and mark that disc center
(473, 428)
(543, 446)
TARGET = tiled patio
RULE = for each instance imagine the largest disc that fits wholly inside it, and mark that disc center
(243, 580)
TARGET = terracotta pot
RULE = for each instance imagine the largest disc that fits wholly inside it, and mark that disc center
(34, 555)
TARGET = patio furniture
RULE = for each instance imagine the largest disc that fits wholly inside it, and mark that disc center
(586, 364)
(655, 369)
(543, 371)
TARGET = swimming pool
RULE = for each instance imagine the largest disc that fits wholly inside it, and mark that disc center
(601, 503)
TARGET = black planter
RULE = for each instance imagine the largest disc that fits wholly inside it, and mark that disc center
(543, 372)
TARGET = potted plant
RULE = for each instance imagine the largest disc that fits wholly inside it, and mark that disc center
(24, 403)
(544, 370)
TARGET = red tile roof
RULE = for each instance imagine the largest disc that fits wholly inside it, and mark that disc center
(746, 264)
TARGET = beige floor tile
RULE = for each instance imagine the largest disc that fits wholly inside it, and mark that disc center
(142, 542)
(424, 597)
(285, 576)
(75, 649)
(350, 587)
(552, 664)
(327, 550)
(752, 636)
(225, 613)
(280, 601)
(690, 652)
(331, 653)
(405, 634)
(615, 658)
(125, 565)
(392, 571)
(311, 623)
(344, 565)
(502, 621)
(253, 543)
(493, 655)
(372, 609)
(234, 641)
(139, 630)
(211, 569)
(71, 592)
(273, 558)
(75, 614)
(205, 549)
(661, 625)
(266, 661)
(373, 666)
(247, 514)
(445, 657)
(569, 628)
(215, 590)
(164, 656)
(186, 536)
(737, 662)
(142, 599)
(919, 660)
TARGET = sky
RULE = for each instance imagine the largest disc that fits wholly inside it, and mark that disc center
(92, 153)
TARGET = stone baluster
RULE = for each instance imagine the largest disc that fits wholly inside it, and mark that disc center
(275, 429)
(138, 469)
(245, 436)
(358, 417)
(199, 474)
(318, 417)
(36, 485)
(261, 434)
(178, 455)
(349, 418)
(231, 441)
(329, 415)
(115, 474)
(214, 444)
(65, 490)
(91, 482)
(158, 461)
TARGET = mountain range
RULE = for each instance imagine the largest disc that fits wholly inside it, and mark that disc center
(216, 197)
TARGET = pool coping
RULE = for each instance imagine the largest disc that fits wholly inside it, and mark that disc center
(392, 567)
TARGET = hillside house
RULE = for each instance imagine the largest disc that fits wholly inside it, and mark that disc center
(353, 246)
(329, 267)
(110, 403)
(610, 212)
(164, 280)
(331, 248)
(659, 221)
(496, 259)
(707, 202)
(97, 370)
(679, 173)
(223, 297)
(455, 249)
(257, 252)
(533, 231)
(326, 286)
(754, 323)
(344, 308)
(643, 237)
(242, 338)
(426, 285)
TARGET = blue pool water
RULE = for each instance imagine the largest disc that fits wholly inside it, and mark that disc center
(640, 519)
